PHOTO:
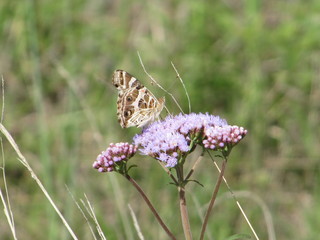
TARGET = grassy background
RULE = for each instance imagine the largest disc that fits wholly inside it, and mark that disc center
(255, 63)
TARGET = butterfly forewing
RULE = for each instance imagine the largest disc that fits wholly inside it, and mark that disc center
(123, 80)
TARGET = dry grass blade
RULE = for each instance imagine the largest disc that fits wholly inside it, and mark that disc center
(6, 200)
(8, 213)
(90, 210)
(135, 222)
(155, 82)
(184, 86)
(23, 160)
(2, 91)
(82, 212)
(239, 205)
(266, 211)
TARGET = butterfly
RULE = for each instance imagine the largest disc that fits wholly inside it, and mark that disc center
(136, 105)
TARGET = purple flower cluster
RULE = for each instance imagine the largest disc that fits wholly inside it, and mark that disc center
(171, 138)
(220, 137)
(114, 156)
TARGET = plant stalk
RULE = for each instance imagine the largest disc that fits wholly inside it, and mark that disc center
(183, 203)
(153, 210)
(213, 198)
(184, 214)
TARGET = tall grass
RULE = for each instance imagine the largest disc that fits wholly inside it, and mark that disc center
(255, 63)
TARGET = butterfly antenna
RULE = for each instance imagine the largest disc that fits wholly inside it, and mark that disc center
(184, 86)
(155, 82)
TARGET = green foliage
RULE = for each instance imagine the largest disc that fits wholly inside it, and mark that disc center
(255, 63)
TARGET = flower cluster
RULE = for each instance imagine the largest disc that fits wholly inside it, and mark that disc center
(220, 137)
(172, 139)
(114, 157)
(176, 136)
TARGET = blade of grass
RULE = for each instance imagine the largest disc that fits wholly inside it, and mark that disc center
(24, 161)
(6, 201)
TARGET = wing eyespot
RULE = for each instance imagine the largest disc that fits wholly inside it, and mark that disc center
(127, 113)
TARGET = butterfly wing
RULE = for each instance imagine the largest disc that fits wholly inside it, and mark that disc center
(136, 105)
(145, 114)
(124, 81)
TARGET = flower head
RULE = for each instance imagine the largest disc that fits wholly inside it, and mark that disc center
(221, 137)
(174, 137)
(114, 157)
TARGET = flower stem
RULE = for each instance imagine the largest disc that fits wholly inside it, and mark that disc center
(213, 198)
(183, 203)
(153, 210)
(184, 214)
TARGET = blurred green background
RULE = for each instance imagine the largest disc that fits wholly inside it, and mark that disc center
(255, 63)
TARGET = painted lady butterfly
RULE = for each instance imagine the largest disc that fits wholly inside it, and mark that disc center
(137, 106)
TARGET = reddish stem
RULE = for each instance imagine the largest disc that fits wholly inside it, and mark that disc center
(184, 214)
(153, 210)
(213, 198)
